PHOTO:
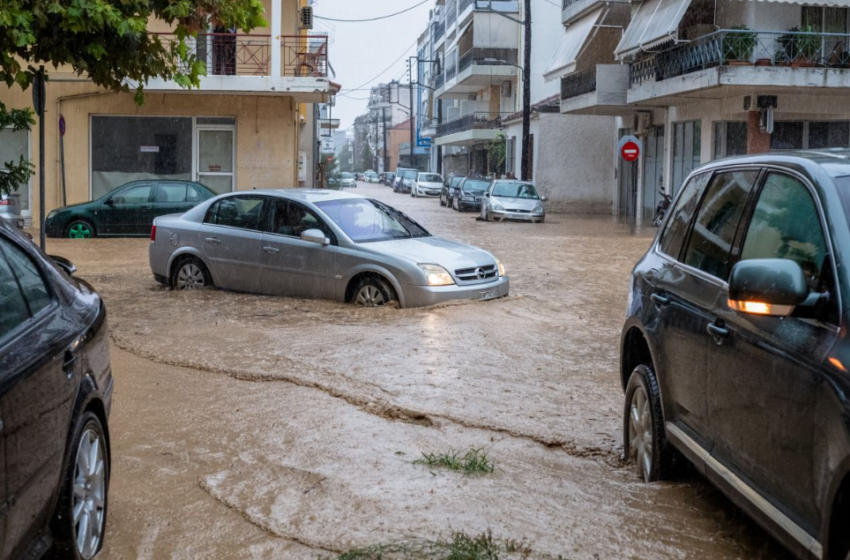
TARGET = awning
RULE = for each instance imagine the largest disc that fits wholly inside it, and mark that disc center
(574, 40)
(654, 22)
(828, 3)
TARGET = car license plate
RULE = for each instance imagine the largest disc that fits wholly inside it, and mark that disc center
(489, 294)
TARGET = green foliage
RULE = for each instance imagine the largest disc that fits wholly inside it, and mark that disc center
(367, 158)
(474, 461)
(497, 151)
(460, 546)
(108, 41)
(740, 44)
(15, 174)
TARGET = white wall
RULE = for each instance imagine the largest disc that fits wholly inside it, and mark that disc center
(546, 33)
(495, 31)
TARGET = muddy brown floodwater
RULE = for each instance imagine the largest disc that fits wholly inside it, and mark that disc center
(259, 427)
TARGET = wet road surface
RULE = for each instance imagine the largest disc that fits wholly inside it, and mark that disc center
(258, 427)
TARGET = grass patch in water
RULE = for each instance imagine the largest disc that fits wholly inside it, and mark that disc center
(460, 547)
(474, 461)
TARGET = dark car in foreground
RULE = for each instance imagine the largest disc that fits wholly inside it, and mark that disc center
(468, 194)
(125, 211)
(735, 352)
(55, 398)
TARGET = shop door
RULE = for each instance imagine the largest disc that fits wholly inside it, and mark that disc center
(216, 158)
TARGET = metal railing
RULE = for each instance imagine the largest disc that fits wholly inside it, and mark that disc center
(451, 13)
(733, 47)
(568, 3)
(235, 54)
(464, 4)
(438, 29)
(439, 80)
(493, 57)
(451, 72)
(305, 56)
(578, 83)
(471, 121)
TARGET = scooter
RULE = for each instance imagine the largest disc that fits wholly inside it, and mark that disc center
(661, 209)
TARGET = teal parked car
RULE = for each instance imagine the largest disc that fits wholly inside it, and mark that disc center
(126, 211)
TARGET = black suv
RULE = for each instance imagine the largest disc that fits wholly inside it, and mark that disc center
(735, 351)
(55, 397)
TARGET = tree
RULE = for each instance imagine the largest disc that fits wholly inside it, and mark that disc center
(366, 158)
(497, 153)
(14, 174)
(108, 41)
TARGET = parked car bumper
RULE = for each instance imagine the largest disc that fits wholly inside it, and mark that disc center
(467, 206)
(505, 216)
(421, 296)
(427, 192)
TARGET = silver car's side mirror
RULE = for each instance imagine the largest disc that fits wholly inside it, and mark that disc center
(315, 236)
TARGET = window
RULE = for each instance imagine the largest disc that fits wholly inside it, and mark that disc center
(829, 135)
(677, 227)
(430, 178)
(711, 238)
(786, 225)
(171, 192)
(365, 220)
(14, 145)
(192, 194)
(787, 136)
(293, 219)
(687, 149)
(730, 139)
(236, 211)
(133, 195)
(509, 189)
(35, 292)
(13, 307)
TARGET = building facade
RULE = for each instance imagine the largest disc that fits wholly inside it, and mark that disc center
(240, 130)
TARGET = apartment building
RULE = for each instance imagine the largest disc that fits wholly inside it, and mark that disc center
(240, 130)
(698, 80)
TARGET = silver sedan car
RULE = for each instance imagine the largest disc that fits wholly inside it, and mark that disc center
(318, 244)
(507, 199)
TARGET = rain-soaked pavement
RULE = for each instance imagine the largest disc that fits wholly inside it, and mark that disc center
(259, 427)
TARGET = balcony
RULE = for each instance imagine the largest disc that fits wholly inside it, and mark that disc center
(478, 68)
(600, 90)
(438, 32)
(575, 9)
(740, 59)
(472, 128)
(243, 63)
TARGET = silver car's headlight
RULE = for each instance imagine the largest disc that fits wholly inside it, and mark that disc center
(437, 275)
(538, 209)
(501, 267)
(497, 206)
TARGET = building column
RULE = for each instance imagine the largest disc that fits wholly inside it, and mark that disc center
(758, 142)
(276, 27)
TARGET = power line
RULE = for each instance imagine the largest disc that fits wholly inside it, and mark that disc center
(384, 71)
(374, 18)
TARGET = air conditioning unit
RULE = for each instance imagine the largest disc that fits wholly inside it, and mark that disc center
(305, 18)
(642, 124)
(507, 88)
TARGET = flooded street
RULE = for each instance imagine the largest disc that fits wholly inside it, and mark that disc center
(259, 427)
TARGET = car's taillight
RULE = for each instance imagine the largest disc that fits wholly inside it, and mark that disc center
(153, 233)
(7, 202)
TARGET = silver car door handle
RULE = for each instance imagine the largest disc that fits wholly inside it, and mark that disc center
(271, 250)
(213, 240)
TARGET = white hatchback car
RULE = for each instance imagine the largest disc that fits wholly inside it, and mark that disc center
(427, 184)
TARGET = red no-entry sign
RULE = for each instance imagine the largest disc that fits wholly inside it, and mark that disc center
(630, 151)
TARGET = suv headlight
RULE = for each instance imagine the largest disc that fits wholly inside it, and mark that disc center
(501, 268)
(437, 275)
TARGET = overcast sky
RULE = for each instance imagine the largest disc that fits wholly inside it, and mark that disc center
(361, 51)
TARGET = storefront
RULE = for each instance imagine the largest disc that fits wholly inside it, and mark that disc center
(13, 145)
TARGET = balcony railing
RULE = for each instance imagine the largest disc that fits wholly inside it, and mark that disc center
(438, 29)
(439, 80)
(744, 48)
(234, 54)
(484, 56)
(472, 121)
(451, 13)
(451, 72)
(578, 83)
(463, 5)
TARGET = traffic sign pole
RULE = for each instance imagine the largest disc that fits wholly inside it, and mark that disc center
(62, 157)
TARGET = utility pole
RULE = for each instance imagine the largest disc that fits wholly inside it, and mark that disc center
(526, 94)
(412, 118)
(384, 123)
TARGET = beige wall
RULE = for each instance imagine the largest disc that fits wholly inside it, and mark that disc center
(266, 133)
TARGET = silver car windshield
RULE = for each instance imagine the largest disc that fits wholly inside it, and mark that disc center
(365, 220)
(515, 190)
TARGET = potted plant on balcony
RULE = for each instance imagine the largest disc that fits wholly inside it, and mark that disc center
(808, 47)
(738, 46)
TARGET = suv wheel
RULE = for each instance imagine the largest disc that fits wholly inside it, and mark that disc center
(80, 516)
(644, 440)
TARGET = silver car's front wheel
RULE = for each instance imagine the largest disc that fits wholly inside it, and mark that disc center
(372, 291)
(369, 296)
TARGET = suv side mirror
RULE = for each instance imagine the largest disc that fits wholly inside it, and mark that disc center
(315, 236)
(772, 287)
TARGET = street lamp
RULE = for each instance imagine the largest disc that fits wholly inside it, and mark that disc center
(526, 109)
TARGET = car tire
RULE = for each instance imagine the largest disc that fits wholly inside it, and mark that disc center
(191, 274)
(83, 496)
(644, 439)
(372, 291)
(442, 202)
(80, 229)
